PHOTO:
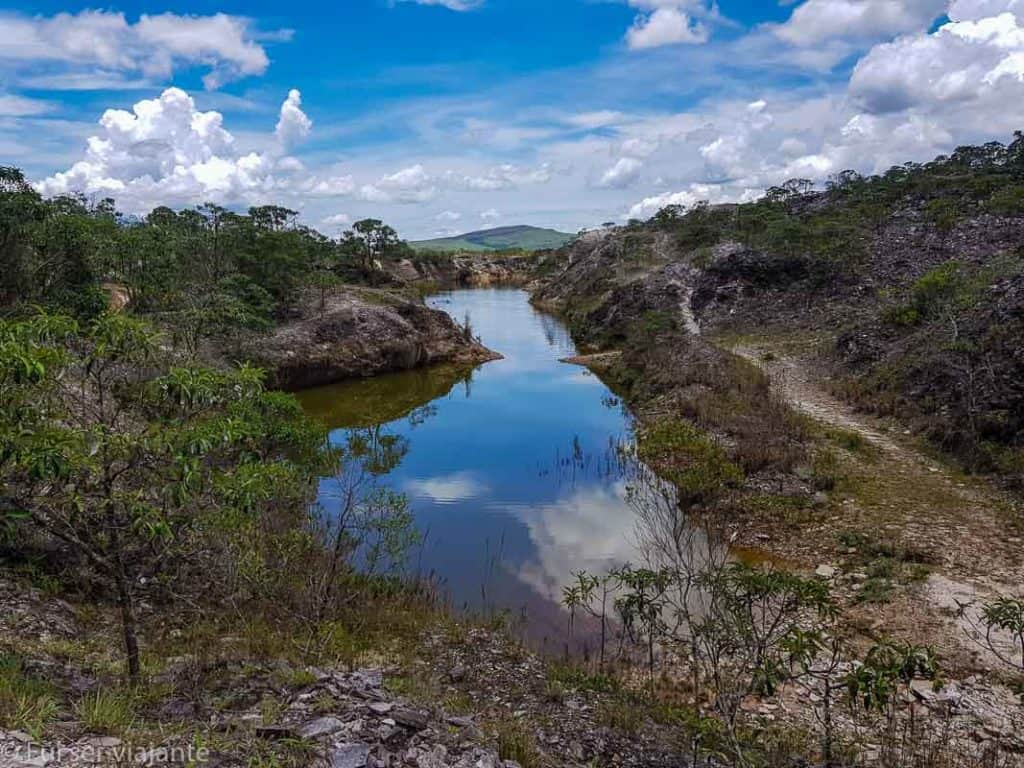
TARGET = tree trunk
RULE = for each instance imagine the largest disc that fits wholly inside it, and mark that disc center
(128, 626)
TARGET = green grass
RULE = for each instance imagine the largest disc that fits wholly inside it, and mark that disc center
(106, 711)
(580, 679)
(26, 702)
(515, 742)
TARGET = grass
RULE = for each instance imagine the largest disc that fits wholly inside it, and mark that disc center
(516, 742)
(106, 711)
(578, 678)
(886, 565)
(27, 703)
(779, 508)
(826, 474)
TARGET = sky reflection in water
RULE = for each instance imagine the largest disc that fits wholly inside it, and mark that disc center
(512, 470)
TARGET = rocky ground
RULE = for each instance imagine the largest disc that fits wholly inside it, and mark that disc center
(459, 696)
(359, 332)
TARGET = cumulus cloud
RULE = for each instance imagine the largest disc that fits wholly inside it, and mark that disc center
(410, 185)
(491, 214)
(293, 124)
(816, 21)
(155, 45)
(692, 195)
(668, 25)
(623, 173)
(974, 61)
(448, 216)
(166, 152)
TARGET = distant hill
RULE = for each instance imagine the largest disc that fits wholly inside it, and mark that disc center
(499, 239)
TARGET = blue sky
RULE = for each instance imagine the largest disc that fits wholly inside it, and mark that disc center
(452, 115)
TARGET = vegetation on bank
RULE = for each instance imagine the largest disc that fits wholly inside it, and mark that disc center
(917, 273)
(201, 272)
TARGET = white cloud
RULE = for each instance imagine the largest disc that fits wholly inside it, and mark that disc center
(598, 119)
(166, 152)
(970, 62)
(411, 185)
(694, 194)
(665, 26)
(293, 124)
(490, 215)
(155, 45)
(503, 177)
(21, 106)
(337, 220)
(451, 5)
(338, 185)
(448, 216)
(621, 174)
(639, 147)
(816, 21)
(289, 164)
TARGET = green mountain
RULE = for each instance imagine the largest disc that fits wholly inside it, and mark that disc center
(499, 239)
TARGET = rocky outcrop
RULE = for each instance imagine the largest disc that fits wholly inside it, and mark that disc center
(360, 333)
(464, 271)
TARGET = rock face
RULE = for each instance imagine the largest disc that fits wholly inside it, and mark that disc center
(464, 271)
(358, 334)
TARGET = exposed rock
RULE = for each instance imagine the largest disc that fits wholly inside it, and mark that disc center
(825, 572)
(358, 334)
(474, 270)
(411, 718)
(349, 756)
(324, 726)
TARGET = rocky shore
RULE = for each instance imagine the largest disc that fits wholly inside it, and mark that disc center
(359, 332)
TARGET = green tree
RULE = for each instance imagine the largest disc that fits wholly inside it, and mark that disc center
(376, 239)
(133, 474)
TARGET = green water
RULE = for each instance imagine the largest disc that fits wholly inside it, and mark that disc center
(512, 470)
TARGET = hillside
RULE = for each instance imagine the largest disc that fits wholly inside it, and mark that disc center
(910, 282)
(523, 238)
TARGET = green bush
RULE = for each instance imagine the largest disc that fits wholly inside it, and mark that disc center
(937, 288)
(690, 459)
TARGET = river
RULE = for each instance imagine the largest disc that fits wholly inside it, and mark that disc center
(513, 471)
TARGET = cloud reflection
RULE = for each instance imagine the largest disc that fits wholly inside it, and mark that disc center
(447, 489)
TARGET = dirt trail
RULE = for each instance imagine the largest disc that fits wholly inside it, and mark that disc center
(798, 386)
(903, 495)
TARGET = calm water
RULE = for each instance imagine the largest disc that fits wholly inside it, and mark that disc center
(512, 470)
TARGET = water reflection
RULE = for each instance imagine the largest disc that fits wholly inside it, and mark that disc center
(518, 472)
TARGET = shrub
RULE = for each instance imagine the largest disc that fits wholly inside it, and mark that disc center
(937, 288)
(690, 459)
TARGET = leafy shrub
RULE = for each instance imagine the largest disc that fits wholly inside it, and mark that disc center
(937, 288)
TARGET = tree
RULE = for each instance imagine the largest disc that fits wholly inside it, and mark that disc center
(377, 239)
(135, 475)
(272, 218)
